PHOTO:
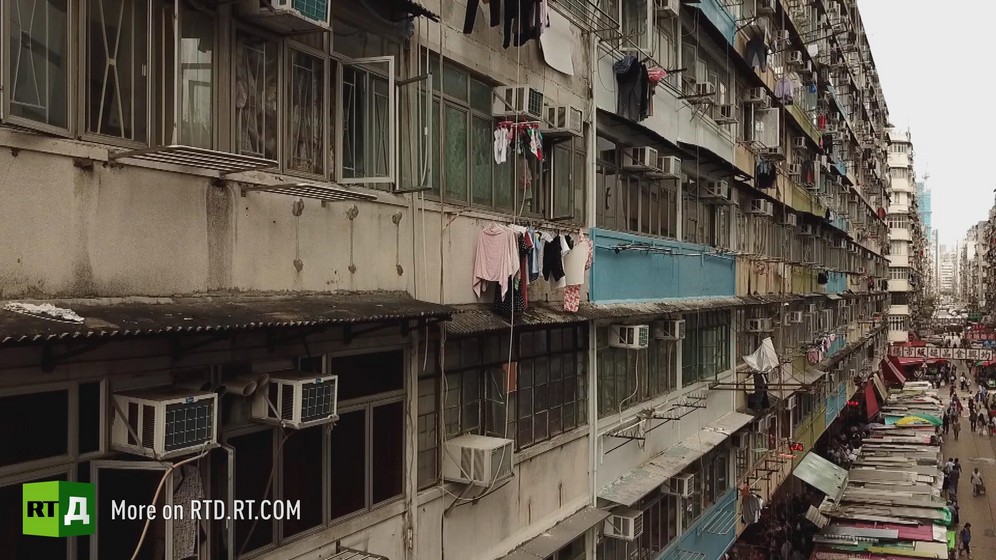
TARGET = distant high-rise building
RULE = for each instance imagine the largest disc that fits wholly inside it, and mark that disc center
(924, 196)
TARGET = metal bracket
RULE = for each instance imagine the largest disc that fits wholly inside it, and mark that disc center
(51, 358)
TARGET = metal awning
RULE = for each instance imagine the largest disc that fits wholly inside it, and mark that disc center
(817, 518)
(325, 193)
(808, 376)
(350, 554)
(558, 536)
(634, 485)
(213, 314)
(224, 163)
(833, 297)
(889, 369)
(822, 475)
(729, 424)
(880, 386)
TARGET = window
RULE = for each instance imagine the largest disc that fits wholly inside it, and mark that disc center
(197, 91)
(542, 395)
(117, 69)
(637, 27)
(38, 58)
(629, 377)
(428, 421)
(706, 347)
(306, 137)
(633, 202)
(661, 515)
(899, 273)
(256, 104)
(899, 248)
(899, 298)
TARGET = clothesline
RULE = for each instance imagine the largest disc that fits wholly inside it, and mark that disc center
(519, 124)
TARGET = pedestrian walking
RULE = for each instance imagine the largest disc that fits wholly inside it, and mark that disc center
(983, 423)
(966, 539)
(972, 418)
(956, 427)
(953, 478)
(976, 482)
(946, 423)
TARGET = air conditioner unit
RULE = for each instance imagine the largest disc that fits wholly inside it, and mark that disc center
(791, 402)
(726, 114)
(854, 198)
(639, 159)
(740, 440)
(795, 170)
(667, 8)
(287, 16)
(799, 142)
(477, 460)
(297, 401)
(755, 95)
(807, 230)
(683, 485)
(164, 422)
(517, 101)
(795, 59)
(633, 337)
(624, 524)
(812, 309)
(861, 270)
(669, 166)
(765, 7)
(564, 119)
(669, 330)
(773, 152)
(759, 325)
(790, 220)
(761, 207)
(716, 190)
(795, 317)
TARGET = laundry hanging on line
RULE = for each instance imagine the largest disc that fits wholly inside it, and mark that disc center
(633, 89)
(522, 136)
(522, 20)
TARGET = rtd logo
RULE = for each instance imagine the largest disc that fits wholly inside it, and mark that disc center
(58, 509)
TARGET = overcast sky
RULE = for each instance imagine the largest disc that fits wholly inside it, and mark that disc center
(932, 64)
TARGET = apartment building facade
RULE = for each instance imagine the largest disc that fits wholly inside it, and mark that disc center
(907, 240)
(216, 206)
(972, 264)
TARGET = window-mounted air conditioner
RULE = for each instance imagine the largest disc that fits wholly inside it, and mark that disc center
(799, 142)
(683, 485)
(705, 89)
(854, 248)
(861, 270)
(795, 317)
(795, 170)
(716, 190)
(759, 325)
(288, 16)
(812, 309)
(726, 114)
(795, 59)
(807, 230)
(667, 8)
(773, 152)
(669, 167)
(790, 220)
(517, 101)
(297, 401)
(624, 524)
(765, 7)
(669, 330)
(761, 207)
(477, 460)
(791, 402)
(854, 198)
(740, 440)
(564, 119)
(164, 422)
(640, 159)
(755, 96)
(632, 337)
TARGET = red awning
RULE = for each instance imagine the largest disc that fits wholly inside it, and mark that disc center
(871, 400)
(907, 362)
(891, 373)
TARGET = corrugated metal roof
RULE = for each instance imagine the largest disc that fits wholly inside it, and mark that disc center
(130, 317)
(559, 536)
(822, 475)
(728, 424)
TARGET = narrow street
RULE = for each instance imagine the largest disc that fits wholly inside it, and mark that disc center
(974, 450)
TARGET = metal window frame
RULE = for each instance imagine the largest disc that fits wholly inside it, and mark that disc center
(72, 72)
(287, 78)
(152, 466)
(392, 132)
(233, 54)
(82, 89)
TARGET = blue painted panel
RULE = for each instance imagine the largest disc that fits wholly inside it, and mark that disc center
(835, 403)
(720, 17)
(836, 282)
(640, 275)
(701, 537)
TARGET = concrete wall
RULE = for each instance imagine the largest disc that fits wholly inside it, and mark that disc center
(635, 275)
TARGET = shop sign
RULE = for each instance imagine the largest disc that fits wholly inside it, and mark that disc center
(938, 353)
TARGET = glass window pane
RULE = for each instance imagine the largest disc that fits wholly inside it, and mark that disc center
(456, 138)
(481, 153)
(480, 96)
(388, 451)
(49, 431)
(255, 96)
(117, 69)
(302, 474)
(349, 469)
(16, 545)
(39, 61)
(454, 82)
(365, 126)
(563, 189)
(197, 79)
(253, 465)
(306, 142)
